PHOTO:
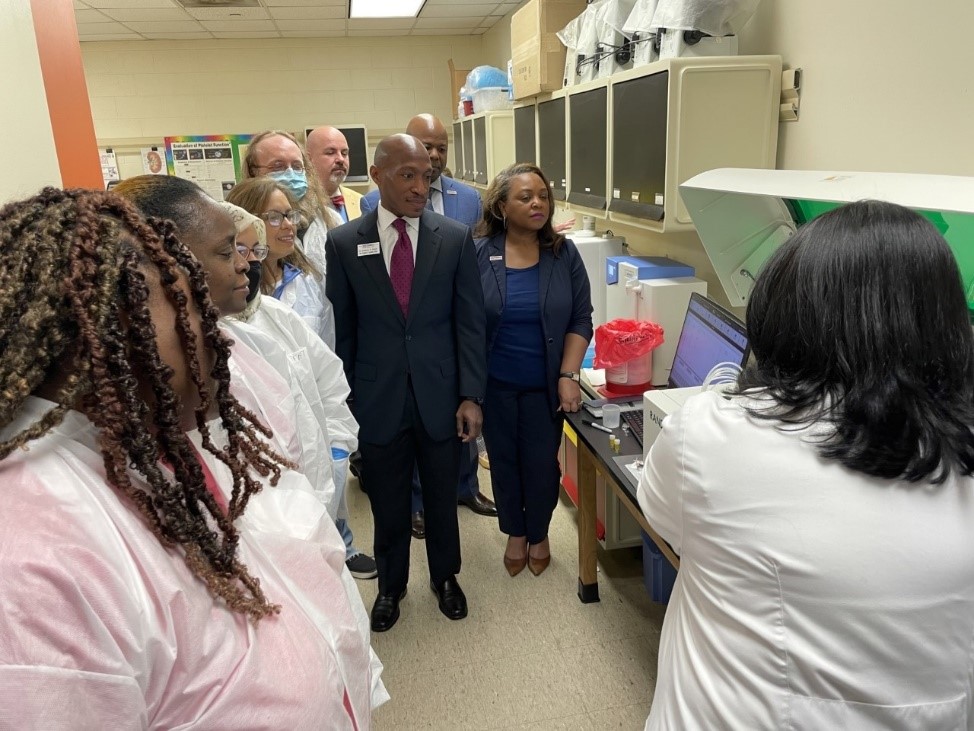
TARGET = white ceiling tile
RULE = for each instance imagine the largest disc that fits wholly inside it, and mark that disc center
(441, 32)
(310, 25)
(380, 23)
(313, 33)
(458, 23)
(364, 33)
(84, 37)
(228, 13)
(171, 26)
(331, 11)
(229, 26)
(304, 3)
(247, 34)
(102, 28)
(177, 36)
(457, 10)
(83, 17)
(145, 15)
(131, 4)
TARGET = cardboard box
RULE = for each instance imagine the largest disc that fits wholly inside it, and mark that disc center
(538, 55)
(458, 77)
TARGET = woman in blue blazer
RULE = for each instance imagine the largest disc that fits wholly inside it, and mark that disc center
(539, 323)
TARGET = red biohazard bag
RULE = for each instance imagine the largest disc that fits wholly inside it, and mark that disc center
(620, 341)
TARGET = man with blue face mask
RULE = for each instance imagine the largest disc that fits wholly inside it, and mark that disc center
(278, 155)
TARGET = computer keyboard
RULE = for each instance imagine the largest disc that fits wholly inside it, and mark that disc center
(634, 419)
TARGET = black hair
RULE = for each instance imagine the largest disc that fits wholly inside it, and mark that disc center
(164, 196)
(860, 322)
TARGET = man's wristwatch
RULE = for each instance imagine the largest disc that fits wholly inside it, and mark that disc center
(476, 399)
(573, 375)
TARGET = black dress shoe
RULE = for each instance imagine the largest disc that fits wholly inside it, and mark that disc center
(452, 601)
(419, 526)
(385, 611)
(479, 503)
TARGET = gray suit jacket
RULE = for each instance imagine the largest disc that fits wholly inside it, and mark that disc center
(440, 346)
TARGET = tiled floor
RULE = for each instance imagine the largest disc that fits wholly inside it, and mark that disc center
(530, 655)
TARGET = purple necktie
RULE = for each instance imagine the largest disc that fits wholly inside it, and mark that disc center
(401, 266)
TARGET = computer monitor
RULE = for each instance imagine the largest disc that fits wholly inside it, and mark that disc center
(588, 115)
(551, 144)
(525, 139)
(710, 335)
(639, 113)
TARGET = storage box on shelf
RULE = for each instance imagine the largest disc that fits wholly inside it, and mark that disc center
(538, 56)
(491, 99)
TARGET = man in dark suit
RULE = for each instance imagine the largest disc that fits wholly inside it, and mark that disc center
(461, 203)
(410, 330)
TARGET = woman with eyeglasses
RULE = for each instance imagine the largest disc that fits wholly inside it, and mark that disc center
(287, 274)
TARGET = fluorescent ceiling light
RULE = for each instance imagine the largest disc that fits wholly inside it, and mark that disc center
(385, 8)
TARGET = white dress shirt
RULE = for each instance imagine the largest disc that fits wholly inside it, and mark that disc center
(388, 236)
(436, 195)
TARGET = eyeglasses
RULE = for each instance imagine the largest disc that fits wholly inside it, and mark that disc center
(259, 252)
(279, 166)
(275, 218)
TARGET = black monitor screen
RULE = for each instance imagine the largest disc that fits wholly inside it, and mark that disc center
(524, 136)
(358, 151)
(639, 146)
(468, 161)
(457, 150)
(589, 140)
(551, 144)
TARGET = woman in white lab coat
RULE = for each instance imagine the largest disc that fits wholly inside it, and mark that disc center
(287, 274)
(823, 511)
(154, 577)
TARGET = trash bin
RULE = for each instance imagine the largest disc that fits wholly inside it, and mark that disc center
(624, 348)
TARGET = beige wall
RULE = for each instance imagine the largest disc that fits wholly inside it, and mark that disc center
(883, 88)
(887, 84)
(26, 136)
(144, 91)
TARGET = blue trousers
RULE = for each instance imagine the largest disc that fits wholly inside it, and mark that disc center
(467, 485)
(523, 438)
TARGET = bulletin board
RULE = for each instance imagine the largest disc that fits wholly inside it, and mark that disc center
(211, 161)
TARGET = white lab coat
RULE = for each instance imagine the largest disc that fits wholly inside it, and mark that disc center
(314, 373)
(312, 441)
(313, 245)
(101, 626)
(809, 596)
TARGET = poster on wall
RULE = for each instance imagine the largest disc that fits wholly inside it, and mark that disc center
(109, 166)
(152, 161)
(210, 161)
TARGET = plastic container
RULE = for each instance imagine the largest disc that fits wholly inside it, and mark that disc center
(467, 105)
(491, 99)
(659, 576)
(632, 377)
(611, 415)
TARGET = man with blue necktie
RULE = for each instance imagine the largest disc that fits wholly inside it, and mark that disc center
(328, 150)
(458, 201)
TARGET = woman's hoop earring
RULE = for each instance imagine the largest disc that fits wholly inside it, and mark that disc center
(504, 215)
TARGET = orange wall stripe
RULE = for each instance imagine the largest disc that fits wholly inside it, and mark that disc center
(67, 93)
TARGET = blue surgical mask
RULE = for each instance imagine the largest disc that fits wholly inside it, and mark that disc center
(294, 181)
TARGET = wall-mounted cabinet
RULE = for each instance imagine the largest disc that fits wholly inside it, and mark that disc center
(488, 146)
(619, 147)
(588, 147)
(552, 153)
(676, 118)
(457, 148)
(526, 133)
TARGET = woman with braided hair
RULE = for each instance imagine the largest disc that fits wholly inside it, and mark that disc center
(149, 581)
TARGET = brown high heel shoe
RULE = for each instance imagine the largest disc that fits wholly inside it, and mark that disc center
(515, 566)
(537, 565)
